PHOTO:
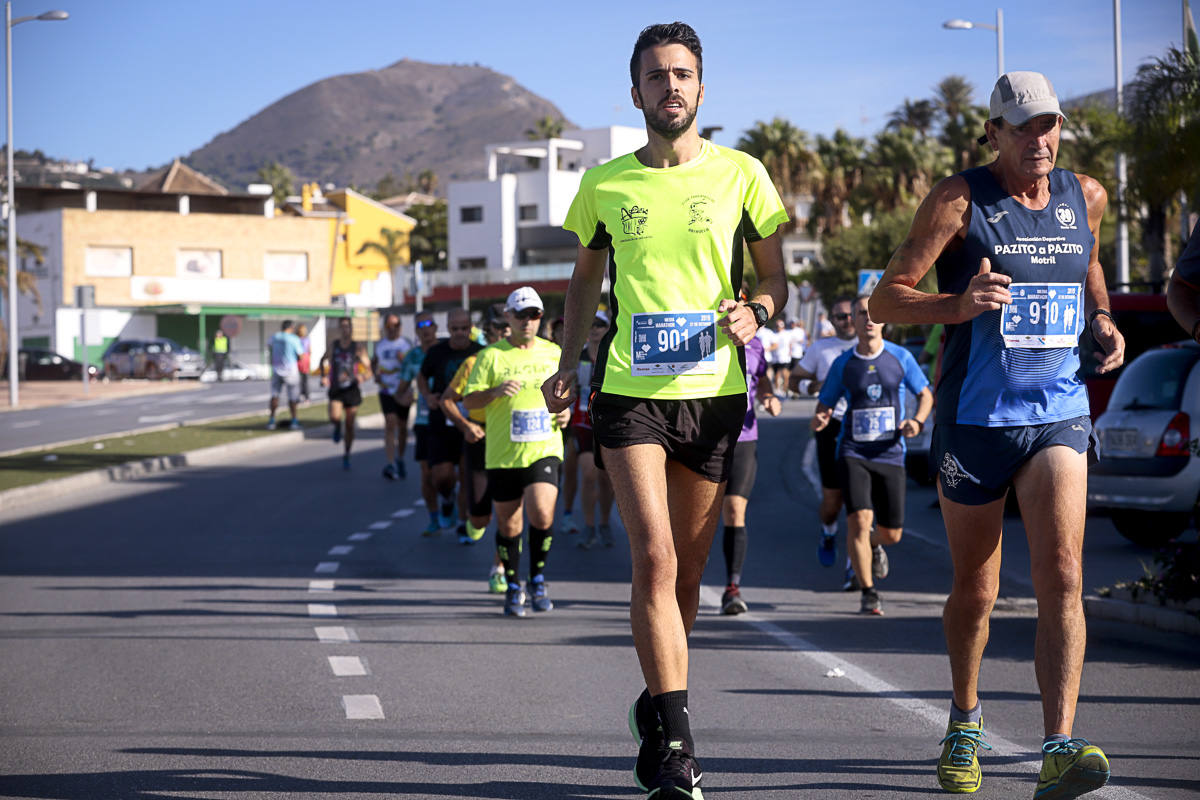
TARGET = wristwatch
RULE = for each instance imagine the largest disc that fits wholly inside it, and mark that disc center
(760, 313)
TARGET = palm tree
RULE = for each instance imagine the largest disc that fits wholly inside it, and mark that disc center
(918, 115)
(547, 127)
(953, 94)
(26, 284)
(427, 181)
(841, 172)
(427, 242)
(280, 178)
(785, 151)
(393, 248)
(900, 168)
(1164, 138)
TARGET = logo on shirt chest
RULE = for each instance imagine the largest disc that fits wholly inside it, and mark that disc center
(699, 207)
(1065, 216)
(633, 220)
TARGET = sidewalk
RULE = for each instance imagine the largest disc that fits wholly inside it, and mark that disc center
(38, 394)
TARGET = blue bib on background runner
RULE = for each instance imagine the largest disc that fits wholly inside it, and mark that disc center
(1018, 365)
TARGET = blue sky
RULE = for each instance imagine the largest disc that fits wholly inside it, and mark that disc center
(134, 83)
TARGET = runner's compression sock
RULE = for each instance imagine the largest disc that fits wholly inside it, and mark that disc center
(539, 546)
(509, 551)
(830, 529)
(735, 553)
(673, 713)
(958, 715)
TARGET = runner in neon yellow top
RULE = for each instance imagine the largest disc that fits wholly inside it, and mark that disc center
(676, 251)
(669, 222)
(524, 444)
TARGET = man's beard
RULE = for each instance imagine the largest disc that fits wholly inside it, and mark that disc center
(673, 129)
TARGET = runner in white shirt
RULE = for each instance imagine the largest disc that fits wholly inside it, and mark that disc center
(781, 356)
(770, 342)
(807, 377)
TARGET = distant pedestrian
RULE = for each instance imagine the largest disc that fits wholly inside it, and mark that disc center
(220, 351)
(389, 355)
(305, 360)
(285, 372)
(825, 328)
(345, 359)
(410, 368)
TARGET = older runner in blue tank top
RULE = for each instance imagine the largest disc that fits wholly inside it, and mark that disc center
(1019, 278)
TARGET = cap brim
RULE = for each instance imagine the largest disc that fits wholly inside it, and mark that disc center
(1022, 114)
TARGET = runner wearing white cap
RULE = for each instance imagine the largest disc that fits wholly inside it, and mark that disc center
(1016, 246)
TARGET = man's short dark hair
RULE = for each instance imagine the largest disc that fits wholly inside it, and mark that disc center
(287, 323)
(842, 299)
(666, 33)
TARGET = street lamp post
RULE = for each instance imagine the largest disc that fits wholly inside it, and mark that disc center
(11, 220)
(964, 25)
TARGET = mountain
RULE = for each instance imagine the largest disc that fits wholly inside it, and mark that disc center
(354, 129)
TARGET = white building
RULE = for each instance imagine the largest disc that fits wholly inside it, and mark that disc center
(514, 218)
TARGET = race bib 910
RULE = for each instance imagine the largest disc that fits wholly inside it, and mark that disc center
(1042, 315)
(674, 343)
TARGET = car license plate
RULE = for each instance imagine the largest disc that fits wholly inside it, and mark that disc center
(1124, 439)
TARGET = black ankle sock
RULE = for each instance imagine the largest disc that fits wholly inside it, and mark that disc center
(673, 713)
(509, 551)
(539, 546)
(735, 553)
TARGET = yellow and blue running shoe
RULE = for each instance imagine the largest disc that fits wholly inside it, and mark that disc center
(1070, 768)
(958, 768)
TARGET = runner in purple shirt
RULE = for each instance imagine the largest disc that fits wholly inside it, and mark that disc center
(741, 475)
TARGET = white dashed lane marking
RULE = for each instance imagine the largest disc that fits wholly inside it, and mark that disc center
(341, 550)
(322, 610)
(359, 537)
(402, 513)
(335, 634)
(327, 567)
(347, 666)
(380, 526)
(362, 706)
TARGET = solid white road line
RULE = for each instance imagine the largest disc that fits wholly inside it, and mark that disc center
(380, 526)
(163, 417)
(402, 513)
(29, 423)
(327, 567)
(347, 666)
(935, 716)
(335, 634)
(359, 537)
(341, 550)
(322, 610)
(320, 586)
(362, 706)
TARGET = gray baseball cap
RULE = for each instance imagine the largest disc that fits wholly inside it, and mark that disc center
(1021, 96)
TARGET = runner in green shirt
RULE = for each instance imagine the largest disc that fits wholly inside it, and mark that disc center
(669, 222)
(524, 445)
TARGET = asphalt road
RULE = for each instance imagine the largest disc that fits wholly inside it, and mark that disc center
(37, 427)
(197, 635)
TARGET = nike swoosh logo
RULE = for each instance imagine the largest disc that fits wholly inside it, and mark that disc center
(997, 218)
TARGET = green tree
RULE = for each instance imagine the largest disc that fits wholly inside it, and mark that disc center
(785, 151)
(1091, 137)
(1163, 143)
(428, 241)
(427, 181)
(961, 121)
(392, 247)
(916, 114)
(388, 186)
(26, 284)
(281, 179)
(548, 127)
(838, 176)
(899, 169)
(847, 250)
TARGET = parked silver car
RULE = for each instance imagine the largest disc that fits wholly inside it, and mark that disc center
(1148, 478)
(151, 358)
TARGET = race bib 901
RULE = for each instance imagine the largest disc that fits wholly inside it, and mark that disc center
(674, 343)
(1042, 315)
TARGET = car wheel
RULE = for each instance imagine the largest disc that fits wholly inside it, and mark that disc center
(1150, 528)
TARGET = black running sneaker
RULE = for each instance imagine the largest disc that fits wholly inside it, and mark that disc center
(732, 602)
(678, 775)
(647, 732)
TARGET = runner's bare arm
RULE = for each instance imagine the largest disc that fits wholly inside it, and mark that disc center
(470, 430)
(943, 216)
(767, 398)
(913, 425)
(739, 323)
(821, 417)
(583, 298)
(1095, 292)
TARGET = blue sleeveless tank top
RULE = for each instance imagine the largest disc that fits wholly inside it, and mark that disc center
(1018, 365)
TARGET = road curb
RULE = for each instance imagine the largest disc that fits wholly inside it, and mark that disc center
(133, 470)
(1150, 615)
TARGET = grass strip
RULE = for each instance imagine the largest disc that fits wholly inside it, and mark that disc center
(26, 469)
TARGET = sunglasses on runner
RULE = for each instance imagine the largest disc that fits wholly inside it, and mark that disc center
(528, 313)
(425, 323)
(842, 316)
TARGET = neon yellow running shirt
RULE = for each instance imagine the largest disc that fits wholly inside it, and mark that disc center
(520, 430)
(674, 238)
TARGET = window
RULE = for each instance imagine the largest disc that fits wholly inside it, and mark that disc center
(198, 263)
(472, 263)
(285, 267)
(471, 213)
(528, 212)
(108, 262)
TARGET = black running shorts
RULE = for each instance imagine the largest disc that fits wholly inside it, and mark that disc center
(506, 485)
(871, 485)
(421, 443)
(744, 470)
(349, 396)
(827, 460)
(445, 444)
(476, 455)
(699, 433)
(388, 405)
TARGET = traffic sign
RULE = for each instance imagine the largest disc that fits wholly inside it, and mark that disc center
(867, 278)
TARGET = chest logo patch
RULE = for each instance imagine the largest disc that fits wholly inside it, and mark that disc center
(875, 391)
(1065, 216)
(698, 206)
(633, 220)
